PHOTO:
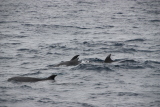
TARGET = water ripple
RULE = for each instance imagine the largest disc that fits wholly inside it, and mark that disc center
(136, 40)
(92, 67)
(127, 94)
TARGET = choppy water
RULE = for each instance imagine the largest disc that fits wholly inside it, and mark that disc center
(36, 34)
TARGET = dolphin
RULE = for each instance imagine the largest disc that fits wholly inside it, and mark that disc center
(74, 61)
(30, 79)
(108, 59)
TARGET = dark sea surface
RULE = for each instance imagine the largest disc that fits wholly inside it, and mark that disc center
(37, 34)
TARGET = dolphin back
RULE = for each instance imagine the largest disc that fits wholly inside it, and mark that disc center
(24, 79)
(30, 79)
(74, 61)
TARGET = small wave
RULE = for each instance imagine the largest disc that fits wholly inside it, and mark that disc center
(28, 25)
(96, 60)
(154, 20)
(70, 84)
(26, 87)
(135, 67)
(28, 50)
(8, 22)
(86, 105)
(6, 58)
(129, 50)
(73, 104)
(53, 65)
(24, 49)
(21, 36)
(127, 94)
(149, 86)
(92, 43)
(156, 74)
(2, 100)
(136, 40)
(152, 62)
(60, 26)
(104, 27)
(145, 51)
(25, 63)
(57, 46)
(128, 61)
(15, 43)
(36, 73)
(91, 67)
(41, 69)
(84, 2)
(155, 103)
(45, 100)
(4, 88)
(119, 13)
(130, 64)
(118, 44)
(154, 12)
(135, 27)
(54, 26)
(11, 44)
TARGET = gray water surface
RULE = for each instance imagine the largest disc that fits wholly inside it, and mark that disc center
(37, 34)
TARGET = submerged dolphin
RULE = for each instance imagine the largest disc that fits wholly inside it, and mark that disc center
(108, 59)
(30, 79)
(74, 61)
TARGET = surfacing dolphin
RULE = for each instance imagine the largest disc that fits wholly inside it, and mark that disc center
(74, 61)
(108, 59)
(30, 79)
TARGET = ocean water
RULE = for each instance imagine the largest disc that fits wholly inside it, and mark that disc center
(37, 34)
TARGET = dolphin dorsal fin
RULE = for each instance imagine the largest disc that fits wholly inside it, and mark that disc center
(51, 77)
(108, 59)
(75, 57)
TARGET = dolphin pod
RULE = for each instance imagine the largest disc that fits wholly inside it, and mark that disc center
(30, 79)
(74, 61)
